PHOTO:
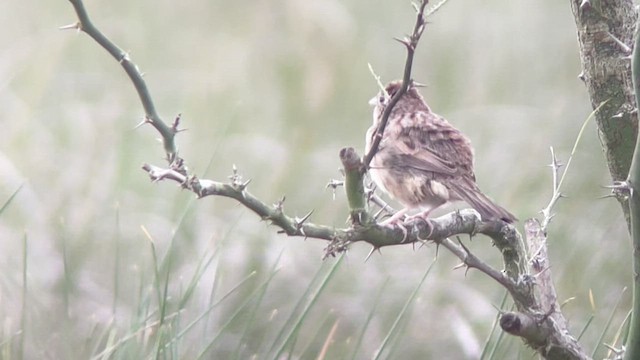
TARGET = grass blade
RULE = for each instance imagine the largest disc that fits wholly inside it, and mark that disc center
(606, 327)
(405, 309)
(368, 320)
(487, 342)
(289, 330)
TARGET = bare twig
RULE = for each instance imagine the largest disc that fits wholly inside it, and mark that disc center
(555, 166)
(472, 261)
(556, 194)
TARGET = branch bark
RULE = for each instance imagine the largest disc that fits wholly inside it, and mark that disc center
(605, 33)
(632, 346)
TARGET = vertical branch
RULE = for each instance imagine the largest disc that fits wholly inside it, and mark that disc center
(633, 342)
(411, 43)
(354, 186)
(605, 33)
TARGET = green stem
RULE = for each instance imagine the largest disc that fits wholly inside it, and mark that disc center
(354, 186)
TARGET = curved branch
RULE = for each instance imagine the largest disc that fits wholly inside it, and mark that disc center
(152, 117)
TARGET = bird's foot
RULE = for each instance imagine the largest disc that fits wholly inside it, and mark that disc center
(397, 220)
(424, 216)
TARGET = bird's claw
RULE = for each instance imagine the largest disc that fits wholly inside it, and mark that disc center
(398, 222)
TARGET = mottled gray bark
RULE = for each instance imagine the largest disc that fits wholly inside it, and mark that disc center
(605, 35)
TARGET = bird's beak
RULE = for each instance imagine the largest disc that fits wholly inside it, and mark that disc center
(373, 101)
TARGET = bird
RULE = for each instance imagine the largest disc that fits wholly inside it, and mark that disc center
(423, 161)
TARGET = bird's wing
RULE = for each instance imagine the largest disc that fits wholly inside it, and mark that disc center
(426, 142)
(422, 159)
(465, 189)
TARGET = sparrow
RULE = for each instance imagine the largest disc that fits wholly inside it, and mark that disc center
(422, 161)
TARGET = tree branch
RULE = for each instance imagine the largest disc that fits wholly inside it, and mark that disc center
(410, 43)
(546, 329)
(151, 116)
(605, 31)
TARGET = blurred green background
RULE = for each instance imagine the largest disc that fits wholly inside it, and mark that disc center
(278, 88)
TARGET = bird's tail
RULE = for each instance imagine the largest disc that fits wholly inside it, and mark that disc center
(469, 192)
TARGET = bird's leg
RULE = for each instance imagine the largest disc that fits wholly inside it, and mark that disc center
(425, 217)
(422, 215)
(396, 220)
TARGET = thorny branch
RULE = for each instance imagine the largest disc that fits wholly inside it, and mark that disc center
(507, 240)
(151, 115)
(411, 43)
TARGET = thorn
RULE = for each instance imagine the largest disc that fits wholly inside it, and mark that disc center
(279, 204)
(244, 185)
(606, 197)
(176, 123)
(333, 183)
(76, 26)
(459, 266)
(585, 5)
(555, 164)
(618, 115)
(124, 57)
(582, 77)
(625, 49)
(143, 122)
(300, 221)
(236, 179)
(619, 185)
(373, 249)
(406, 42)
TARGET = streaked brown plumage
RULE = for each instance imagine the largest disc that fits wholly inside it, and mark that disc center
(423, 161)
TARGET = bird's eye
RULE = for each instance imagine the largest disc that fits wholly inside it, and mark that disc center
(381, 99)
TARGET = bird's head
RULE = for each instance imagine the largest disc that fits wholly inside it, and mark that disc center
(411, 98)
